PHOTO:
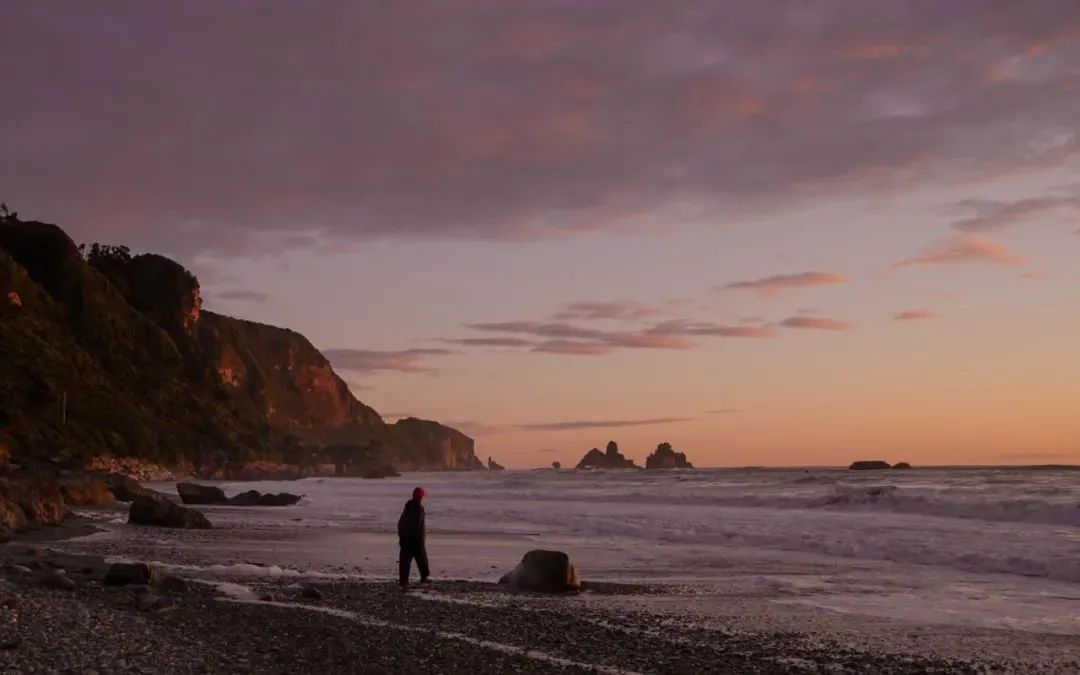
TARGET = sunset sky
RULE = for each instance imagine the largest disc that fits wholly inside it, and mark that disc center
(771, 233)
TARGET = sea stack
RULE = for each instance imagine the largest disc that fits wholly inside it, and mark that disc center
(611, 459)
(666, 458)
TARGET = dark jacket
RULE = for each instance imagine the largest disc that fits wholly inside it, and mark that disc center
(410, 526)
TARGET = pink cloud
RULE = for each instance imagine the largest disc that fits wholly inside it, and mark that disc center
(815, 323)
(999, 215)
(708, 328)
(492, 342)
(368, 361)
(915, 314)
(607, 309)
(573, 347)
(771, 286)
(963, 248)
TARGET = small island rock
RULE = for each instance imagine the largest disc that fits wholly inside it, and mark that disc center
(869, 465)
(666, 458)
(611, 459)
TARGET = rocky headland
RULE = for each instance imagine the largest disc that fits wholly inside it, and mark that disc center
(110, 362)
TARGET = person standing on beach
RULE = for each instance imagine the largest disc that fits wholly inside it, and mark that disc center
(411, 538)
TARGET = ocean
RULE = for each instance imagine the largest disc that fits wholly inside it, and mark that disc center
(977, 547)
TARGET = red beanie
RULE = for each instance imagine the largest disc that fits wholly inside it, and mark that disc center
(418, 493)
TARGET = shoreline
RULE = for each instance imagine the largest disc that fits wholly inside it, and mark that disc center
(374, 627)
(265, 622)
(257, 595)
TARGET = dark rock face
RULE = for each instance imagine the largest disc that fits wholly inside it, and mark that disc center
(122, 574)
(901, 465)
(31, 499)
(544, 572)
(666, 458)
(492, 465)
(161, 512)
(610, 459)
(281, 374)
(192, 493)
(556, 465)
(869, 465)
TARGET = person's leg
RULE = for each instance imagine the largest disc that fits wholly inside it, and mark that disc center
(421, 562)
(404, 563)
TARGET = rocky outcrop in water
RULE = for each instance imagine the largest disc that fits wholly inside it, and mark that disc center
(869, 465)
(192, 493)
(492, 465)
(901, 465)
(666, 458)
(210, 495)
(611, 458)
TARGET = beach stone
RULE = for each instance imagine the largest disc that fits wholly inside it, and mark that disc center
(170, 583)
(311, 593)
(193, 493)
(18, 569)
(54, 579)
(152, 602)
(122, 574)
(163, 513)
(543, 571)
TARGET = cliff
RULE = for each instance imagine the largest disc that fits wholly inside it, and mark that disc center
(422, 445)
(107, 354)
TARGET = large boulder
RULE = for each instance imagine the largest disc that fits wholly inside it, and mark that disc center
(901, 465)
(161, 512)
(193, 493)
(492, 465)
(125, 488)
(869, 465)
(545, 572)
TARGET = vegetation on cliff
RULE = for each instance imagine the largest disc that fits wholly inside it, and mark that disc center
(107, 353)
